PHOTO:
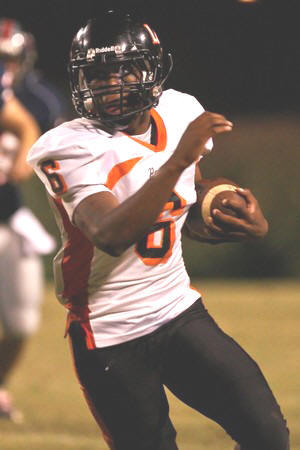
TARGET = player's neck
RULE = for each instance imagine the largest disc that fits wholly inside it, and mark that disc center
(139, 124)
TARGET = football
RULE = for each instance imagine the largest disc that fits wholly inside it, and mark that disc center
(210, 195)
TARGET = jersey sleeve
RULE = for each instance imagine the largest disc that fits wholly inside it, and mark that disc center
(181, 109)
(197, 109)
(81, 189)
(70, 175)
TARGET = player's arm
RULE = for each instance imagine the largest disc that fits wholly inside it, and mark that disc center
(114, 227)
(250, 223)
(16, 119)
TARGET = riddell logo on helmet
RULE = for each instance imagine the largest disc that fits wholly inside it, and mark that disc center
(92, 52)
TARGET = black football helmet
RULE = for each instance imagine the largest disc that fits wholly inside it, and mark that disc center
(114, 44)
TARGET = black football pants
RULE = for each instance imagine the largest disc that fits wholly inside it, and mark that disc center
(199, 363)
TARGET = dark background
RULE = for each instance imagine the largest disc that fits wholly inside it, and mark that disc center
(239, 59)
(234, 56)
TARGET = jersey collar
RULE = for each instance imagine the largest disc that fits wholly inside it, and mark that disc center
(161, 133)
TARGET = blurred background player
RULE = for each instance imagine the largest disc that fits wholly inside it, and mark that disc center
(18, 53)
(29, 106)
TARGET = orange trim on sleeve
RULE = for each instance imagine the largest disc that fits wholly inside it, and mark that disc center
(161, 134)
(119, 170)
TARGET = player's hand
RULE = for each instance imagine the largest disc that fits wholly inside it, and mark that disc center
(250, 223)
(193, 141)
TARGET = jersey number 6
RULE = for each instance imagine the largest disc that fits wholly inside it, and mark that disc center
(156, 247)
(57, 182)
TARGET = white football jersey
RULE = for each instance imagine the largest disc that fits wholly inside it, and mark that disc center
(119, 298)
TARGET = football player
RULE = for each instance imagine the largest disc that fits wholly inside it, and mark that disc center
(15, 119)
(22, 237)
(121, 180)
(18, 54)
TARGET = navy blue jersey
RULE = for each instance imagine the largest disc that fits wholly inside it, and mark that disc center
(48, 107)
(10, 201)
(10, 194)
(42, 100)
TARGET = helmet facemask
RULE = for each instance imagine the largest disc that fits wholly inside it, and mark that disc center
(113, 89)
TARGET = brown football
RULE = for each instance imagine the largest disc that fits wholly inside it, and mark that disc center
(210, 195)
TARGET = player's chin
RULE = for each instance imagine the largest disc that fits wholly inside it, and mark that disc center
(116, 110)
(117, 107)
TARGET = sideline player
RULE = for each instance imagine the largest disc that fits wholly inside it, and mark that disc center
(22, 237)
(18, 53)
(15, 119)
(121, 180)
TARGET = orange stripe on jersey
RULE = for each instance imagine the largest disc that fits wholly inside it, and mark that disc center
(161, 134)
(119, 170)
(76, 264)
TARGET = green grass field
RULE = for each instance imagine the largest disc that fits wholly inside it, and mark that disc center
(263, 316)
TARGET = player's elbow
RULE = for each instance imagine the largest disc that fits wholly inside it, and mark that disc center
(102, 235)
(112, 250)
(108, 243)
